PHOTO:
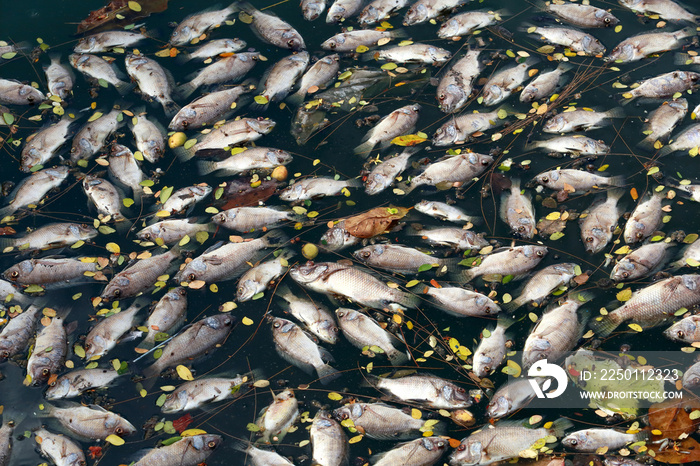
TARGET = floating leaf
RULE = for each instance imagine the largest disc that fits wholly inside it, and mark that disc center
(247, 321)
(261, 100)
(335, 396)
(192, 432)
(9, 118)
(115, 440)
(113, 248)
(635, 327)
(95, 116)
(408, 140)
(165, 194)
(134, 6)
(624, 295)
(184, 372)
(355, 439)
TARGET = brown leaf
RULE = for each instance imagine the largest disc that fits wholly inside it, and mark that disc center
(7, 231)
(672, 417)
(685, 451)
(581, 279)
(375, 221)
(106, 17)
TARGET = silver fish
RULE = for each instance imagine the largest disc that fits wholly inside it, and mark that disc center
(91, 138)
(660, 123)
(104, 335)
(502, 442)
(59, 78)
(212, 49)
(105, 197)
(502, 83)
(400, 259)
(645, 219)
(666, 9)
(518, 212)
(380, 421)
(139, 276)
(642, 45)
(466, 23)
(581, 120)
(318, 76)
(351, 283)
(598, 222)
(227, 69)
(315, 188)
(516, 261)
(236, 132)
(577, 180)
(167, 315)
(153, 81)
(328, 441)
(105, 41)
(455, 86)
(197, 24)
(295, 347)
(415, 53)
(250, 159)
(686, 330)
(225, 262)
(61, 450)
(50, 272)
(461, 128)
(246, 219)
(199, 339)
(688, 139)
(76, 382)
(16, 334)
(542, 283)
(351, 40)
(312, 9)
(425, 10)
(575, 146)
(260, 277)
(208, 108)
(421, 451)
(398, 122)
(315, 317)
(282, 76)
(197, 393)
(428, 391)
(585, 16)
(48, 354)
(54, 235)
(343, 9)
(278, 417)
(273, 29)
(260, 457)
(545, 84)
(185, 198)
(384, 174)
(6, 430)
(577, 41)
(589, 440)
(461, 302)
(378, 9)
(691, 377)
(15, 93)
(150, 140)
(186, 451)
(491, 351)
(125, 171)
(362, 330)
(459, 168)
(98, 68)
(664, 85)
(510, 397)
(33, 188)
(445, 212)
(172, 231)
(45, 143)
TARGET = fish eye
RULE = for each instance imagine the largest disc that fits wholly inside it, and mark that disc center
(14, 274)
(441, 97)
(344, 416)
(276, 325)
(625, 274)
(680, 334)
(117, 293)
(211, 444)
(192, 277)
(461, 447)
(119, 430)
(484, 162)
(290, 42)
(460, 390)
(487, 368)
(640, 235)
(365, 254)
(521, 228)
(539, 253)
(45, 371)
(341, 314)
(589, 239)
(5, 354)
(574, 441)
(240, 290)
(52, 384)
(147, 236)
(545, 179)
(606, 20)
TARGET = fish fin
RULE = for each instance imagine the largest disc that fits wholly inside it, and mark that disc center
(399, 33)
(245, 6)
(409, 300)
(465, 276)
(682, 59)
(616, 194)
(124, 88)
(605, 326)
(354, 183)
(207, 166)
(364, 149)
(505, 321)
(617, 112)
(297, 98)
(667, 150)
(186, 90)
(170, 108)
(617, 181)
(182, 58)
(7, 211)
(560, 426)
(275, 238)
(514, 304)
(183, 155)
(397, 357)
(327, 374)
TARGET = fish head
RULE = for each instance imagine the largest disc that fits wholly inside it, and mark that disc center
(370, 15)
(119, 426)
(578, 441)
(375, 183)
(222, 217)
(17, 271)
(449, 28)
(346, 314)
(292, 192)
(592, 45)
(95, 346)
(483, 365)
(468, 452)
(58, 389)
(368, 253)
(261, 125)
(547, 178)
(86, 45)
(281, 326)
(535, 252)
(201, 190)
(219, 322)
(683, 330)
(692, 282)
(445, 135)
(555, 124)
(499, 407)
(595, 239)
(606, 18)
(246, 290)
(115, 288)
(181, 35)
(451, 97)
(205, 442)
(456, 395)
(622, 271)
(691, 378)
(175, 402)
(434, 443)
(278, 157)
(416, 14)
(40, 371)
(350, 411)
(293, 40)
(337, 238)
(308, 273)
(327, 331)
(336, 13)
(439, 55)
(493, 95)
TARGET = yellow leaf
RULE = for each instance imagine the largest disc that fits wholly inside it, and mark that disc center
(624, 295)
(361, 49)
(408, 140)
(184, 372)
(115, 440)
(261, 100)
(192, 432)
(416, 414)
(355, 439)
(553, 216)
(635, 327)
(335, 396)
(247, 321)
(113, 248)
(653, 170)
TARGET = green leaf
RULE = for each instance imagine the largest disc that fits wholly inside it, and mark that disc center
(9, 118)
(103, 83)
(165, 194)
(171, 440)
(8, 56)
(161, 400)
(425, 267)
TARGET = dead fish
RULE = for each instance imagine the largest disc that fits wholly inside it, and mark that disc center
(16, 334)
(245, 219)
(328, 441)
(51, 272)
(414, 53)
(76, 382)
(125, 170)
(106, 41)
(105, 197)
(589, 440)
(188, 450)
(262, 276)
(49, 353)
(153, 81)
(201, 392)
(426, 390)
(249, 159)
(316, 188)
(515, 261)
(663, 86)
(59, 78)
(577, 180)
(445, 212)
(466, 23)
(343, 9)
(260, 457)
(45, 144)
(585, 16)
(687, 139)
(642, 262)
(230, 68)
(642, 45)
(149, 136)
(54, 235)
(172, 231)
(384, 173)
(577, 41)
(378, 10)
(352, 283)
(666, 9)
(98, 68)
(212, 49)
(316, 318)
(208, 108)
(461, 128)
(312, 9)
(599, 221)
(581, 120)
(140, 275)
(426, 450)
(380, 421)
(545, 84)
(459, 168)
(398, 122)
(518, 212)
(645, 219)
(458, 238)
(510, 397)
(361, 330)
(575, 146)
(455, 86)
(61, 450)
(32, 189)
(686, 330)
(660, 123)
(317, 77)
(502, 83)
(278, 417)
(279, 80)
(197, 24)
(15, 93)
(185, 198)
(349, 41)
(401, 259)
(91, 138)
(167, 315)
(425, 10)
(104, 335)
(295, 347)
(273, 29)
(492, 349)
(542, 283)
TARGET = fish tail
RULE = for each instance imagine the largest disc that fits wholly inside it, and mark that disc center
(627, 97)
(605, 326)
(529, 146)
(275, 238)
(170, 108)
(256, 107)
(685, 32)
(409, 300)
(369, 380)
(327, 374)
(465, 276)
(183, 155)
(398, 33)
(560, 426)
(186, 89)
(564, 67)
(365, 148)
(617, 181)
(513, 305)
(666, 150)
(397, 357)
(6, 211)
(354, 183)
(182, 58)
(297, 98)
(243, 5)
(233, 7)
(683, 59)
(6, 243)
(617, 112)
(123, 87)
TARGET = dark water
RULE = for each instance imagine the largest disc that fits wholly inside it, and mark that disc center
(250, 347)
